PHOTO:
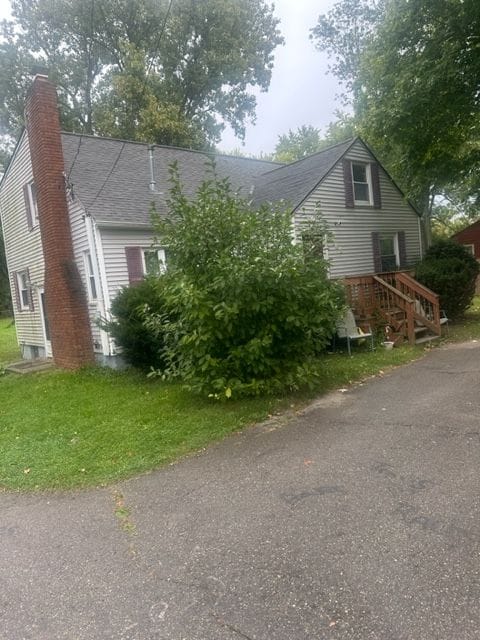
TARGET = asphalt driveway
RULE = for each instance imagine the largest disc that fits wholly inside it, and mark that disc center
(358, 519)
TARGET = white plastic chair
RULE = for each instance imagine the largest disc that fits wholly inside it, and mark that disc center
(347, 329)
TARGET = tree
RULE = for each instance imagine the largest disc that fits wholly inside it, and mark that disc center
(419, 102)
(298, 144)
(344, 33)
(151, 69)
(247, 309)
(306, 140)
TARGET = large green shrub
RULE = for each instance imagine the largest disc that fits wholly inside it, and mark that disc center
(451, 271)
(142, 346)
(251, 309)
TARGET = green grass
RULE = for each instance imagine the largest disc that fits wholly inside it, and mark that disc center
(9, 350)
(62, 430)
(70, 429)
(468, 328)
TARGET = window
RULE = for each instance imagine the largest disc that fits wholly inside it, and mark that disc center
(143, 262)
(90, 275)
(362, 188)
(30, 194)
(154, 261)
(23, 287)
(389, 252)
(470, 248)
(362, 184)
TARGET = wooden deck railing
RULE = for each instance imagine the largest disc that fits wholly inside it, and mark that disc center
(391, 301)
(398, 298)
(426, 302)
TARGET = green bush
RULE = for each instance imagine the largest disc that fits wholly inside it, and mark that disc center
(142, 345)
(251, 308)
(451, 271)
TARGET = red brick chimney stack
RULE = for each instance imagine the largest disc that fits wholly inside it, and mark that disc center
(65, 298)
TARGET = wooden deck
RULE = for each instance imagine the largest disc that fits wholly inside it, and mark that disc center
(395, 300)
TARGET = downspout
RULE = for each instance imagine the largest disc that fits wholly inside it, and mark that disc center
(100, 277)
(420, 238)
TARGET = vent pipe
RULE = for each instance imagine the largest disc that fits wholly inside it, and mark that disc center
(151, 162)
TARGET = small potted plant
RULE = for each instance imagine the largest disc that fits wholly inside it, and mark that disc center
(388, 342)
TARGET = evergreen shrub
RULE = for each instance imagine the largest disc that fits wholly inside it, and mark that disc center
(451, 271)
(142, 345)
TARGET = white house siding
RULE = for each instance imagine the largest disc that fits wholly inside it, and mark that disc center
(114, 242)
(23, 246)
(80, 246)
(350, 250)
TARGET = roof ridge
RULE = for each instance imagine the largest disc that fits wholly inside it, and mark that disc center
(350, 141)
(167, 146)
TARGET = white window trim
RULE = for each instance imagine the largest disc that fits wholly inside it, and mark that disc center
(33, 204)
(89, 276)
(19, 275)
(368, 174)
(470, 248)
(396, 248)
(161, 259)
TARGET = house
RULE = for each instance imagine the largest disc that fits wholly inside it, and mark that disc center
(75, 211)
(470, 239)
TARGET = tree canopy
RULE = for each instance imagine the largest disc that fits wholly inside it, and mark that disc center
(343, 33)
(159, 70)
(307, 139)
(419, 104)
(412, 70)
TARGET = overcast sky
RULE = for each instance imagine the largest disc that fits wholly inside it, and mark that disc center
(301, 91)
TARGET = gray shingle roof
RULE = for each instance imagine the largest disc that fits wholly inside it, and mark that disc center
(294, 182)
(111, 177)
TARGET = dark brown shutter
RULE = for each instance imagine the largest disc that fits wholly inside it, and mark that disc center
(377, 196)
(31, 306)
(26, 195)
(348, 184)
(402, 249)
(16, 292)
(134, 264)
(377, 252)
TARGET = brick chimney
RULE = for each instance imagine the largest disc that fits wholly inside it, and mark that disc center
(65, 298)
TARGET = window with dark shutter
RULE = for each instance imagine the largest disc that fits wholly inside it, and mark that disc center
(402, 249)
(377, 252)
(389, 251)
(375, 175)
(134, 264)
(348, 184)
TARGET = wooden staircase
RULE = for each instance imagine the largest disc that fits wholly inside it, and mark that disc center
(397, 302)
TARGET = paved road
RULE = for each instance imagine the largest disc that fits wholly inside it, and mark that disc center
(359, 519)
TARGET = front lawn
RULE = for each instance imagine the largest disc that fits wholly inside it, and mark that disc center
(97, 426)
(62, 430)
